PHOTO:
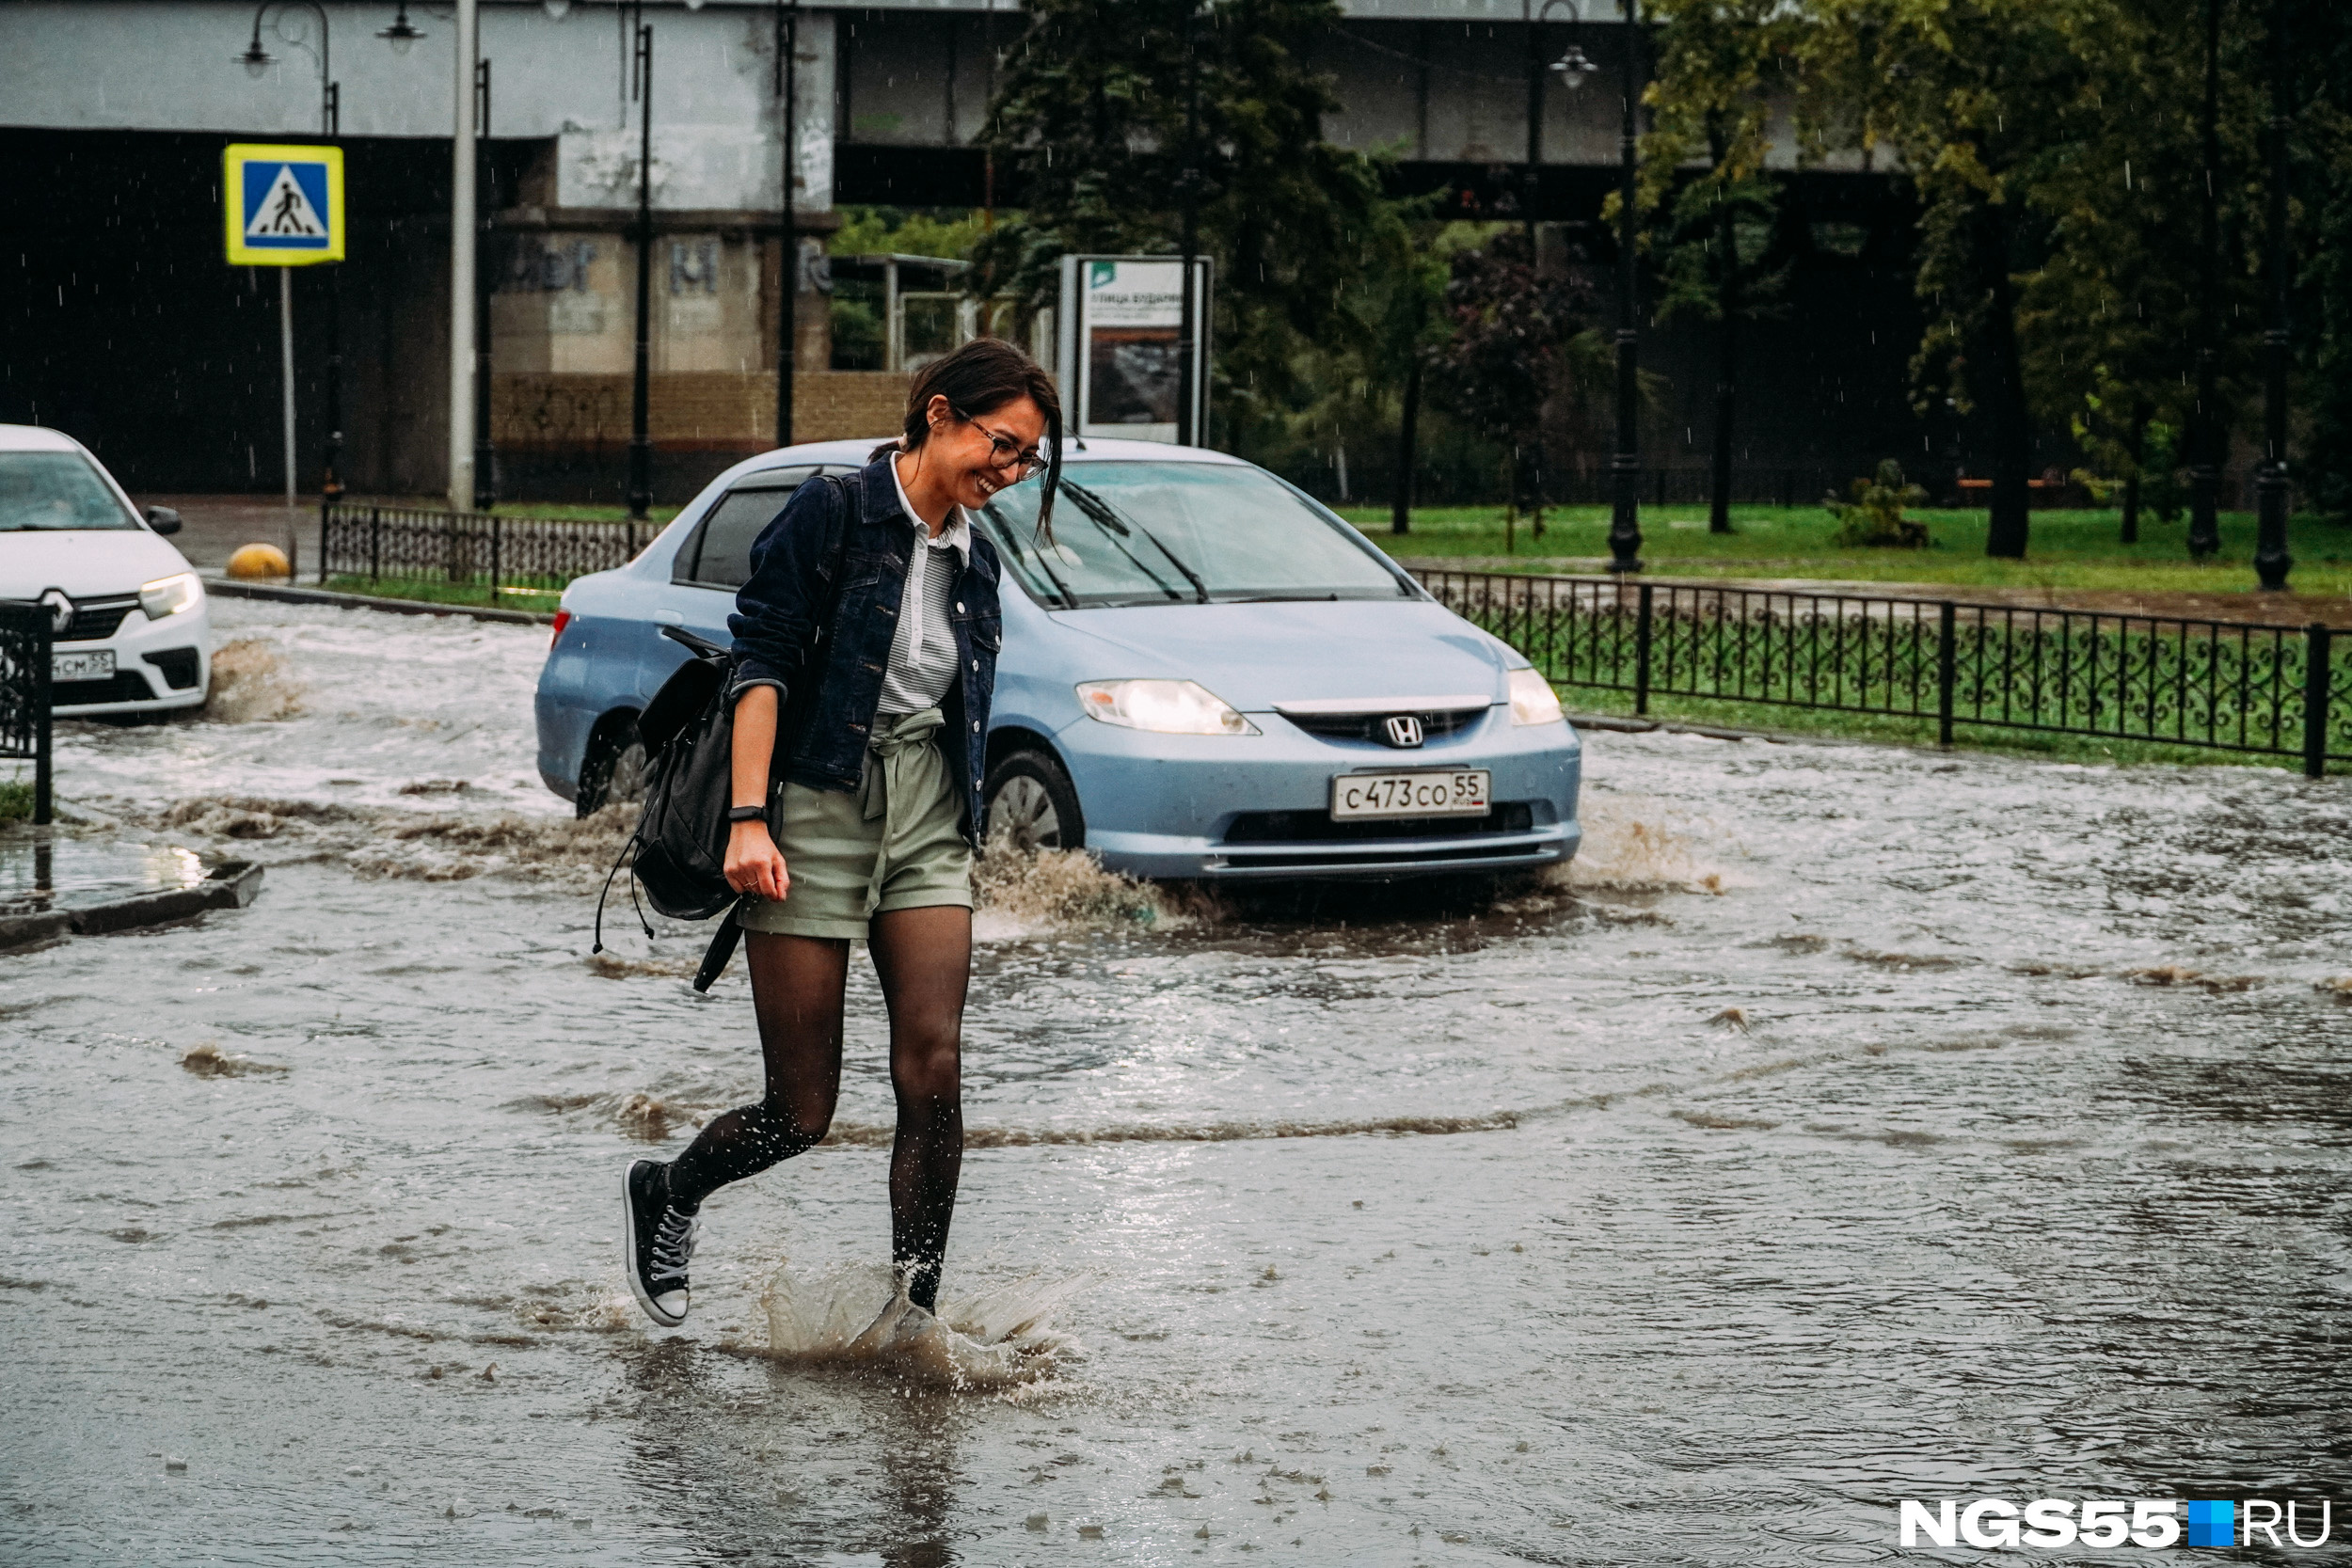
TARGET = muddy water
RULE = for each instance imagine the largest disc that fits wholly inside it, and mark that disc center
(1856, 1124)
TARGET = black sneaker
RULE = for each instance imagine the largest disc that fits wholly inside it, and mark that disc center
(656, 1242)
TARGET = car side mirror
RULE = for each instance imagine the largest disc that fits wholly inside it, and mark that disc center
(163, 519)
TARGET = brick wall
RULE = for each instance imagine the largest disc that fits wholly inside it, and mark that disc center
(689, 410)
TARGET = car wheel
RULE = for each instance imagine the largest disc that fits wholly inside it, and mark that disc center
(614, 770)
(1031, 804)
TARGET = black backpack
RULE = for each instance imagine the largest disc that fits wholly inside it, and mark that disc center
(678, 851)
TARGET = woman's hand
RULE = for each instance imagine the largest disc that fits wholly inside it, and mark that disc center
(754, 863)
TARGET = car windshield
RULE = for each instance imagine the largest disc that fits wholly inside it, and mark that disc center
(1127, 533)
(48, 491)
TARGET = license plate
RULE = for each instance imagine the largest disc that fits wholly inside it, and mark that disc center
(1420, 794)
(97, 666)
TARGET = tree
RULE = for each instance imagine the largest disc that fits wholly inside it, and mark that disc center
(1116, 116)
(1512, 347)
(1724, 68)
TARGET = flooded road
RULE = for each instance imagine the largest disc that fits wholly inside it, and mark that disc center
(1854, 1124)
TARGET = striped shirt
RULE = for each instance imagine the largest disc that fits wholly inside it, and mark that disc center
(923, 651)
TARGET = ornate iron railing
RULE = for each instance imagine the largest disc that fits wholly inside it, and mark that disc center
(403, 543)
(26, 641)
(2220, 685)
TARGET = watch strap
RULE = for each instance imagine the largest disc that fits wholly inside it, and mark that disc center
(747, 814)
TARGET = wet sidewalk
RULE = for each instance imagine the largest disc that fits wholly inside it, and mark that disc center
(54, 882)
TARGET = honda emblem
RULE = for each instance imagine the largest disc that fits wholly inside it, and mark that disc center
(1404, 730)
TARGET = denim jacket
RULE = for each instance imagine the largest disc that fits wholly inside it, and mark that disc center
(829, 679)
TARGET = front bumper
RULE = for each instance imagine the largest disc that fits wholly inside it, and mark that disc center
(153, 671)
(1215, 807)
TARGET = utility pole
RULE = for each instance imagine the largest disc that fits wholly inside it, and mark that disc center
(2205, 474)
(640, 439)
(2271, 561)
(461, 261)
(1624, 463)
(330, 481)
(789, 268)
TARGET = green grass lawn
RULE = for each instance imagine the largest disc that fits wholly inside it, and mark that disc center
(541, 598)
(2066, 550)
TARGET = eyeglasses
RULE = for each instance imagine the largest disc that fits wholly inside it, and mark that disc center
(1004, 452)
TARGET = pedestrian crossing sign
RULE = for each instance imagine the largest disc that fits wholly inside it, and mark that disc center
(284, 204)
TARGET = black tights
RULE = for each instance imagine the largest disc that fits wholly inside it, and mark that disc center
(924, 959)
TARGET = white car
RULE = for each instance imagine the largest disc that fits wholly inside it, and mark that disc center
(133, 635)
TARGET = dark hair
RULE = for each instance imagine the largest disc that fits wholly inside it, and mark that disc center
(979, 378)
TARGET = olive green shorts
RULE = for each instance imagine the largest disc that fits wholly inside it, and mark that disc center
(894, 842)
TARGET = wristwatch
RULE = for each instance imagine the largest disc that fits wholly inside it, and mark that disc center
(747, 814)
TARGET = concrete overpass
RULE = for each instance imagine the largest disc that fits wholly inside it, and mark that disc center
(112, 113)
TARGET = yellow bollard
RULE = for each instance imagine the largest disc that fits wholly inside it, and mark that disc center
(259, 561)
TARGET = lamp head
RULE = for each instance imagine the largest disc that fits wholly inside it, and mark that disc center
(1573, 67)
(400, 35)
(256, 60)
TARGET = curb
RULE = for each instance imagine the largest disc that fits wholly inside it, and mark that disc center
(230, 886)
(368, 601)
(1713, 732)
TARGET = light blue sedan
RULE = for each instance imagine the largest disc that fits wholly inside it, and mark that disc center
(1205, 674)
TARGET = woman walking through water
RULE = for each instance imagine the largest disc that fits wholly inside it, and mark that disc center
(865, 644)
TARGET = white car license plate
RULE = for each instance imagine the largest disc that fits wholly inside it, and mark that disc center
(95, 666)
(1425, 793)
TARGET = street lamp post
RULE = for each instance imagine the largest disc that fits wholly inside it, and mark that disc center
(463, 257)
(256, 60)
(2271, 561)
(640, 437)
(1572, 67)
(788, 252)
(1624, 463)
(486, 456)
(2205, 474)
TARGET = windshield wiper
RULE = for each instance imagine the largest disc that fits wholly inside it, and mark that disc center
(1068, 600)
(1109, 518)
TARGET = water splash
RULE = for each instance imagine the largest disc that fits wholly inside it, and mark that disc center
(1001, 1339)
(251, 684)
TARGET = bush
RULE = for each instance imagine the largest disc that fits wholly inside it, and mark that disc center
(16, 799)
(1875, 515)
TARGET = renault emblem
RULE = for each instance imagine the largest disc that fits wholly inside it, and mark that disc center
(1404, 730)
(60, 609)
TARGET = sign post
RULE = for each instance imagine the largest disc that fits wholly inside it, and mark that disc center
(284, 209)
(1120, 352)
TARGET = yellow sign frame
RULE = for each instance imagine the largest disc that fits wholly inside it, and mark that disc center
(243, 251)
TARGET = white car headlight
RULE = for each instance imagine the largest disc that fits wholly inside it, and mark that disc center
(1165, 707)
(170, 595)
(1533, 700)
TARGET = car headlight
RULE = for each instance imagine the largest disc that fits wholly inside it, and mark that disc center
(170, 595)
(1164, 707)
(1533, 700)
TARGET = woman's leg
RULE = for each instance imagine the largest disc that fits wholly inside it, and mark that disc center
(796, 994)
(924, 957)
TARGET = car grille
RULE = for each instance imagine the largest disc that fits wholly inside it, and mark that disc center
(95, 620)
(1435, 723)
(1316, 827)
(123, 686)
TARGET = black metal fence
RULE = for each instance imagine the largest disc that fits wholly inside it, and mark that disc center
(26, 641)
(2223, 685)
(513, 553)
